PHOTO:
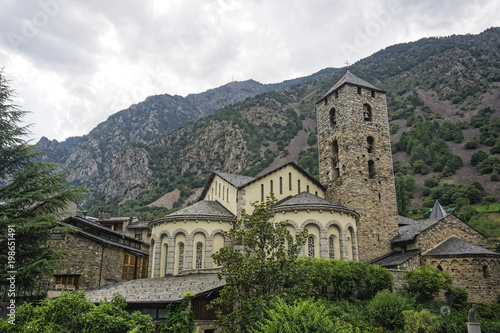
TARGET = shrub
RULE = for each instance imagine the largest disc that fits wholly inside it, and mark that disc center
(303, 316)
(471, 144)
(456, 297)
(425, 282)
(494, 176)
(386, 309)
(423, 319)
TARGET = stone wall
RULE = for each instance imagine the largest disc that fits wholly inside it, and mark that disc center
(479, 275)
(345, 155)
(446, 228)
(85, 260)
(399, 280)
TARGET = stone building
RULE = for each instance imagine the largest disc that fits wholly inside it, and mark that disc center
(97, 256)
(126, 225)
(350, 213)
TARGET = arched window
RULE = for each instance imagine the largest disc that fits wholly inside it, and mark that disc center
(370, 140)
(199, 256)
(486, 271)
(333, 117)
(440, 268)
(331, 248)
(181, 256)
(310, 246)
(281, 185)
(298, 185)
(289, 181)
(371, 169)
(262, 192)
(271, 186)
(367, 112)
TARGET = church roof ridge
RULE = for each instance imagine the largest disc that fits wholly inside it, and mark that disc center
(306, 199)
(457, 246)
(201, 209)
(350, 78)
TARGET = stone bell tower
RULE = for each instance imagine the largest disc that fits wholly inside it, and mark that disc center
(355, 160)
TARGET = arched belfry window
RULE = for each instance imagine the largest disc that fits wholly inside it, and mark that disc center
(371, 169)
(333, 117)
(335, 159)
(310, 247)
(331, 248)
(370, 140)
(367, 112)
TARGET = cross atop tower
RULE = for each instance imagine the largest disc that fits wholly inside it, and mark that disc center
(347, 64)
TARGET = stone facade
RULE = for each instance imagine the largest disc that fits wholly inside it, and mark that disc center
(356, 162)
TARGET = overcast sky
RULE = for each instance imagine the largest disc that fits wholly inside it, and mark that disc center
(75, 62)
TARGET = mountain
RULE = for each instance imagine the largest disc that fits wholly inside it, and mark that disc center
(438, 89)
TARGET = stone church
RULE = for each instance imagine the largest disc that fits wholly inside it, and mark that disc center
(350, 213)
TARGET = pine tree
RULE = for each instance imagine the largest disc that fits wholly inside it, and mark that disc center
(33, 199)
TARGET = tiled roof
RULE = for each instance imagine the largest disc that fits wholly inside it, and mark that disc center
(456, 246)
(203, 209)
(437, 213)
(235, 180)
(306, 199)
(138, 225)
(404, 220)
(168, 289)
(351, 79)
(395, 258)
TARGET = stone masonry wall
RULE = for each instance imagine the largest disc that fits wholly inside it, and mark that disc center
(373, 198)
(85, 260)
(446, 228)
(479, 275)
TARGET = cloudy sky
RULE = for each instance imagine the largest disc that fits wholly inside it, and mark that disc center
(75, 62)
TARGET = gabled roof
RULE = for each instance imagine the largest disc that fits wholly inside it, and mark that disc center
(308, 200)
(457, 246)
(240, 181)
(352, 80)
(437, 213)
(395, 258)
(204, 209)
(410, 229)
(168, 289)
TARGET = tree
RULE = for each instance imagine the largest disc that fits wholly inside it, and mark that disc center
(33, 197)
(256, 268)
(180, 318)
(74, 313)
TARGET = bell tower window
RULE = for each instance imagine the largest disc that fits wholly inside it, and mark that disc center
(367, 112)
(371, 169)
(370, 140)
(333, 117)
(335, 159)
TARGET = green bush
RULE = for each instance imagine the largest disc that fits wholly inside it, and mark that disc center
(304, 316)
(426, 282)
(456, 297)
(386, 309)
(423, 319)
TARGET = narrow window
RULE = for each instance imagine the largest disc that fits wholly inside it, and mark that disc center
(335, 159)
(331, 249)
(298, 185)
(271, 186)
(290, 181)
(199, 256)
(359, 91)
(310, 246)
(227, 195)
(337, 94)
(370, 142)
(367, 112)
(223, 190)
(326, 100)
(181, 256)
(316, 193)
(307, 188)
(212, 193)
(219, 190)
(486, 272)
(262, 192)
(215, 187)
(371, 169)
(333, 117)
(281, 185)
(373, 93)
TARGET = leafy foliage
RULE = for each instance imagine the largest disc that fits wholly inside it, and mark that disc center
(73, 313)
(180, 318)
(426, 282)
(386, 309)
(256, 267)
(421, 319)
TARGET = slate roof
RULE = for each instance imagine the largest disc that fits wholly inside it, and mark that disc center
(306, 199)
(456, 246)
(138, 225)
(168, 289)
(395, 258)
(202, 209)
(351, 79)
(410, 229)
(237, 181)
(437, 213)
(402, 220)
